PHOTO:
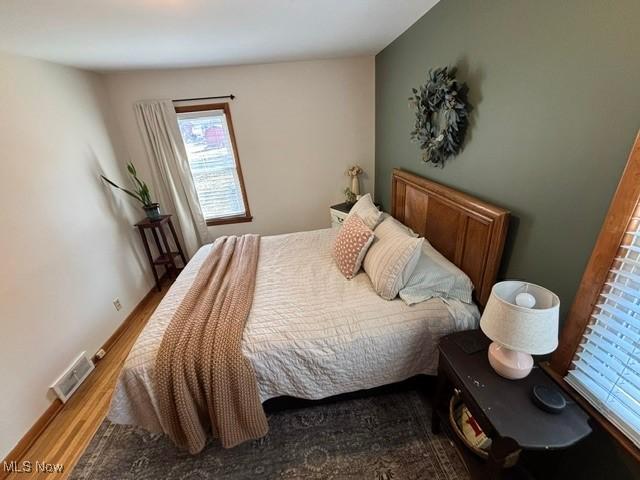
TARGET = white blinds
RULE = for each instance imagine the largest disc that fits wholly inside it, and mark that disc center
(213, 165)
(606, 367)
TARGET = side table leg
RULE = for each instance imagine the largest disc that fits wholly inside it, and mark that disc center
(503, 454)
(150, 257)
(161, 250)
(438, 399)
(168, 251)
(157, 240)
(178, 246)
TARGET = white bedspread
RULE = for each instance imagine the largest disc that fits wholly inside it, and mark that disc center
(310, 334)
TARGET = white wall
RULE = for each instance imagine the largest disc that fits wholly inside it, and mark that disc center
(68, 248)
(299, 126)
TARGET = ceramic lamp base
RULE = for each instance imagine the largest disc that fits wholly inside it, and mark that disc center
(509, 363)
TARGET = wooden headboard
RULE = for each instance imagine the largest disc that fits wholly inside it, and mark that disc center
(468, 231)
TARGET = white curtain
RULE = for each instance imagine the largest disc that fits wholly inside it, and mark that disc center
(170, 166)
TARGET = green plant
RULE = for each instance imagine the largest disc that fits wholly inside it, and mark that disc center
(141, 191)
(351, 197)
(442, 115)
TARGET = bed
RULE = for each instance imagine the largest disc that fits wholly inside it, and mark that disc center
(311, 333)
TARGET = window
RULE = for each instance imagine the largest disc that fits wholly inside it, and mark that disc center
(607, 364)
(599, 353)
(207, 132)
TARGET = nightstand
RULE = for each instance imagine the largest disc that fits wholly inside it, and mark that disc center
(339, 213)
(503, 408)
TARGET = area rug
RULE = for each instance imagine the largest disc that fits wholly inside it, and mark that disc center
(381, 437)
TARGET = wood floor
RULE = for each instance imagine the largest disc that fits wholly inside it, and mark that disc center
(68, 435)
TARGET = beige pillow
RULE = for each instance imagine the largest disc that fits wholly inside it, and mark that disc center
(351, 245)
(367, 211)
(385, 215)
(392, 257)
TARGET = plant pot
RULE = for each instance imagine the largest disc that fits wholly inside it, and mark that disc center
(152, 211)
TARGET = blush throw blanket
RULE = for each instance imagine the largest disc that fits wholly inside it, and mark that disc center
(202, 380)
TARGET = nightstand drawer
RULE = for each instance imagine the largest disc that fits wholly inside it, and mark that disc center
(337, 217)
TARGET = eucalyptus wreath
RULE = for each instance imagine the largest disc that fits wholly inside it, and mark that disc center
(442, 115)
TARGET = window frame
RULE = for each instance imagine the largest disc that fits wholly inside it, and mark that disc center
(246, 217)
(622, 207)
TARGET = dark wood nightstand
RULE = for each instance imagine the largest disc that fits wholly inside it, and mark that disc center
(503, 408)
(166, 256)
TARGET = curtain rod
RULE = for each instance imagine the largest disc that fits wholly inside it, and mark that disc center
(230, 96)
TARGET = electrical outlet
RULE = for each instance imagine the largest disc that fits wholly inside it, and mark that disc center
(117, 304)
(100, 354)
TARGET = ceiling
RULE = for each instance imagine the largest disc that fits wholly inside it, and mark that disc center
(130, 34)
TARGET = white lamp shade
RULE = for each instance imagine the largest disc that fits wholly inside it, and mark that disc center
(530, 330)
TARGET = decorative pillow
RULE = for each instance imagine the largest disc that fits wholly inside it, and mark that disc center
(391, 258)
(435, 276)
(351, 245)
(367, 211)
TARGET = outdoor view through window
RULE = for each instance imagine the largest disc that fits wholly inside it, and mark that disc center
(212, 160)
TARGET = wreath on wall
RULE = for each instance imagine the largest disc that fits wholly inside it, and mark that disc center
(442, 115)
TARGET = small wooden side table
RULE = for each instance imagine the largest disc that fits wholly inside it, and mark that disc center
(166, 256)
(503, 408)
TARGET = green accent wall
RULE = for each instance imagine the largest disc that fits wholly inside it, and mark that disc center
(555, 87)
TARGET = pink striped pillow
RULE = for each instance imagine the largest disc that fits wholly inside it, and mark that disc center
(351, 245)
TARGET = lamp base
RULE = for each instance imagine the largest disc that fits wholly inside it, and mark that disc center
(509, 363)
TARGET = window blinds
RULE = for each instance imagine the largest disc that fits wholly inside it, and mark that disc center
(212, 162)
(606, 366)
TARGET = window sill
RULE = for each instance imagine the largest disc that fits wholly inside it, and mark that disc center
(229, 220)
(620, 438)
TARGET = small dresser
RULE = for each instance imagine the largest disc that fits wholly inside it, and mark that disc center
(339, 213)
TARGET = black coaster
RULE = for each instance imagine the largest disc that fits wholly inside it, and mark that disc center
(548, 399)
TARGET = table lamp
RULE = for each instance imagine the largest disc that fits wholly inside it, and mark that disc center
(522, 319)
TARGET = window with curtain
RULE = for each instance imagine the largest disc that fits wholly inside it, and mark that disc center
(209, 140)
(599, 352)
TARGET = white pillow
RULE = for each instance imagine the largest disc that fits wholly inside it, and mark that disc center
(367, 211)
(391, 259)
(435, 276)
(385, 215)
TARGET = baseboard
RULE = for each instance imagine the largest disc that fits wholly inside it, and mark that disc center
(32, 434)
(24, 444)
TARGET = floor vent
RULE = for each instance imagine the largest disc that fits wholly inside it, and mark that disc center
(73, 376)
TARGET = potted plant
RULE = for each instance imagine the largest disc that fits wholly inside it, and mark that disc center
(141, 193)
(350, 196)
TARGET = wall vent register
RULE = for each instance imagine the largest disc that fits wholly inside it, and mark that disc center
(73, 377)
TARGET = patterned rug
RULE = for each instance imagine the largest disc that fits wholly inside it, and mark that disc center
(382, 437)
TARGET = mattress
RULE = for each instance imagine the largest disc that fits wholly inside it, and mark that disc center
(310, 334)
